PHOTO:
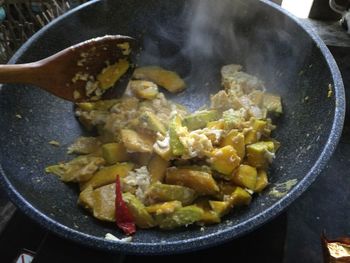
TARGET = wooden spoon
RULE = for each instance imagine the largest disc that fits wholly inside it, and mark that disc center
(66, 73)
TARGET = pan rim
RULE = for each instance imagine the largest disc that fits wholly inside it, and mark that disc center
(205, 240)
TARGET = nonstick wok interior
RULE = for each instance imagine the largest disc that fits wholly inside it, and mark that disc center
(268, 43)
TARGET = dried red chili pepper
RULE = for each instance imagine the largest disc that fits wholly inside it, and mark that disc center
(123, 217)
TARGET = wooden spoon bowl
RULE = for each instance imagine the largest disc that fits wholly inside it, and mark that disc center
(66, 73)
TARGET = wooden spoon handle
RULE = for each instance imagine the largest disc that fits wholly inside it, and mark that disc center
(20, 73)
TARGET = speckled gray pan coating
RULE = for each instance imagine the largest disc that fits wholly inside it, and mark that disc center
(288, 56)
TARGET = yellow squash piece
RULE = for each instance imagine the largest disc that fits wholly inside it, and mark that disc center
(86, 199)
(110, 75)
(236, 140)
(114, 152)
(199, 119)
(165, 192)
(125, 48)
(260, 154)
(182, 217)
(209, 216)
(272, 103)
(257, 128)
(176, 146)
(150, 121)
(101, 202)
(104, 203)
(108, 175)
(202, 182)
(219, 125)
(225, 160)
(226, 187)
(144, 89)
(79, 169)
(250, 136)
(167, 79)
(84, 145)
(142, 218)
(245, 176)
(221, 208)
(137, 142)
(157, 168)
(164, 208)
(258, 125)
(239, 197)
(261, 182)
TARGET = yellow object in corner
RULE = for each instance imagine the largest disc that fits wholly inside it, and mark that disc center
(225, 160)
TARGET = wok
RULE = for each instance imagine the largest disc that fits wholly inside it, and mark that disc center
(269, 42)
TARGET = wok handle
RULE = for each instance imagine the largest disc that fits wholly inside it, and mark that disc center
(28, 73)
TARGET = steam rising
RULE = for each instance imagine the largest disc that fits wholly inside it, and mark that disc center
(209, 34)
(209, 22)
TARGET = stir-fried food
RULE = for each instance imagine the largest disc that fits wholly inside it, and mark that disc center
(175, 167)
